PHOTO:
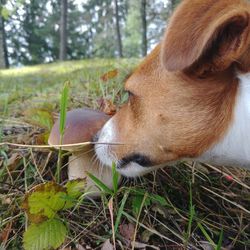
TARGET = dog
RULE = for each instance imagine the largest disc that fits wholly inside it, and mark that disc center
(190, 97)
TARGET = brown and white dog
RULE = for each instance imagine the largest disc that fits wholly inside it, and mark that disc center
(190, 98)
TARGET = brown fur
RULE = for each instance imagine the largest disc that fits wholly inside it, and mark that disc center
(184, 92)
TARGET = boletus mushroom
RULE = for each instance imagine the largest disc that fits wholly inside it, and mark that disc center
(81, 126)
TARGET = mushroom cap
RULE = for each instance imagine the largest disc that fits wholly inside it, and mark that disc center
(81, 126)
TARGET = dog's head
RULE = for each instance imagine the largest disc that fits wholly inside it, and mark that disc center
(182, 96)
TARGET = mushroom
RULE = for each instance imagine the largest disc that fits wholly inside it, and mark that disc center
(81, 126)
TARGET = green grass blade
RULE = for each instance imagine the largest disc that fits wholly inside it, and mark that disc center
(191, 211)
(206, 234)
(63, 114)
(120, 211)
(219, 245)
(100, 184)
(115, 178)
(63, 107)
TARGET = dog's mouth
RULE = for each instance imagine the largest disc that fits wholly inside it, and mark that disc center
(134, 165)
(135, 158)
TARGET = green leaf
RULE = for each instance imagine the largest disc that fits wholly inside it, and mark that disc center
(191, 212)
(75, 189)
(115, 178)
(39, 117)
(137, 203)
(219, 245)
(100, 184)
(157, 198)
(44, 201)
(208, 238)
(121, 208)
(46, 235)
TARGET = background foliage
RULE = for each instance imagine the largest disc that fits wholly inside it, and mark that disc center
(30, 28)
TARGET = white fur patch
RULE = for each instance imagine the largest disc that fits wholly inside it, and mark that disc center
(102, 148)
(234, 148)
(107, 157)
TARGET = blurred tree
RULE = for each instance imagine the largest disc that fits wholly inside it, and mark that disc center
(104, 41)
(158, 13)
(95, 28)
(63, 30)
(132, 36)
(28, 33)
(118, 32)
(144, 27)
(174, 3)
(4, 63)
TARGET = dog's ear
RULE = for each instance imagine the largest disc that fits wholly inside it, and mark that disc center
(206, 34)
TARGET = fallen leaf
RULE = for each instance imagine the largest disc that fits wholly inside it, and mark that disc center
(6, 200)
(4, 235)
(80, 247)
(107, 245)
(39, 117)
(139, 245)
(109, 75)
(127, 231)
(145, 236)
(41, 139)
(13, 161)
(107, 106)
(158, 209)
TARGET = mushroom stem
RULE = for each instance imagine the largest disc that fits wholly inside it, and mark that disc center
(82, 162)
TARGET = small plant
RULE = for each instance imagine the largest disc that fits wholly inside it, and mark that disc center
(63, 111)
(42, 206)
(105, 188)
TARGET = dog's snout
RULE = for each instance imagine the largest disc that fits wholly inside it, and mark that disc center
(140, 159)
(96, 137)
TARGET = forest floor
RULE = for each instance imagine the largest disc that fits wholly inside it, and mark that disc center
(186, 206)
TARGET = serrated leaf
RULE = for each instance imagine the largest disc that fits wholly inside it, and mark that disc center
(75, 188)
(46, 235)
(44, 201)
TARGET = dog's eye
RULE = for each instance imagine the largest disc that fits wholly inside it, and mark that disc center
(130, 94)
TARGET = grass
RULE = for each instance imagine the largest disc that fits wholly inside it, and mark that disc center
(161, 210)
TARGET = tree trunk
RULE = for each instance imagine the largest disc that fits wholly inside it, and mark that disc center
(6, 58)
(63, 30)
(2, 45)
(118, 32)
(174, 3)
(144, 27)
